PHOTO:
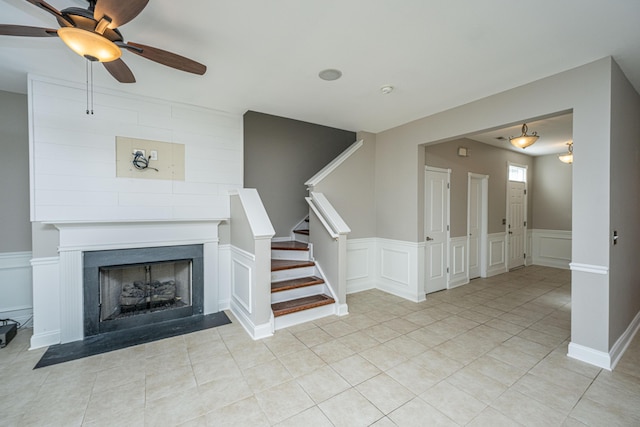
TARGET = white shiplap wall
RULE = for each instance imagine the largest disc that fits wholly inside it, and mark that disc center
(73, 159)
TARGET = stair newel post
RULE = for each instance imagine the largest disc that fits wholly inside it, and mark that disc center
(250, 234)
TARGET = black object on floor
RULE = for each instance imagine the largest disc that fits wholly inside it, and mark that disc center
(110, 341)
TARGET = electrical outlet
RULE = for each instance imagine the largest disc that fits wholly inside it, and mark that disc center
(153, 155)
(135, 150)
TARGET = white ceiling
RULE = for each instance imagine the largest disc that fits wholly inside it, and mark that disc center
(265, 55)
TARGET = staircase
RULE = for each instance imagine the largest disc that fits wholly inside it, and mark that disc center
(298, 291)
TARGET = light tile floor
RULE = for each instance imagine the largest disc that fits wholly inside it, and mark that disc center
(490, 353)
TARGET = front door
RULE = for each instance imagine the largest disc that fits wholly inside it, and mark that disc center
(436, 228)
(516, 227)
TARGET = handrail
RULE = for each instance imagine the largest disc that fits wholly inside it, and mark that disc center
(325, 171)
(327, 214)
(313, 207)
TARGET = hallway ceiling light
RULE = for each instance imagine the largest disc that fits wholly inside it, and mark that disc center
(568, 156)
(524, 140)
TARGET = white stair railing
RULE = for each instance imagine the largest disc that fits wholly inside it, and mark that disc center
(328, 235)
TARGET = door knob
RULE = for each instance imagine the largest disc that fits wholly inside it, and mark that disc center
(429, 239)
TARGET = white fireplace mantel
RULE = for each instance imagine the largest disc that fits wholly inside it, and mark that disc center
(77, 237)
(105, 235)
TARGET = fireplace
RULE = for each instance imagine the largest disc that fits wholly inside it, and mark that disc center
(128, 288)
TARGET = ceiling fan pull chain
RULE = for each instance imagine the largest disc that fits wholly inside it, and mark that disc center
(86, 71)
(91, 66)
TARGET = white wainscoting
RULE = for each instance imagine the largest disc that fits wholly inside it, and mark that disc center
(551, 248)
(242, 274)
(361, 266)
(458, 265)
(393, 266)
(16, 293)
(497, 255)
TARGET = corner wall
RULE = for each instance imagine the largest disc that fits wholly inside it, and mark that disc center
(624, 291)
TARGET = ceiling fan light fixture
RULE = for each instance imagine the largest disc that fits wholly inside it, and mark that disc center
(90, 45)
(523, 141)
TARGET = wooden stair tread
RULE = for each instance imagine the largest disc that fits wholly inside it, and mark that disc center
(292, 306)
(287, 264)
(290, 245)
(305, 232)
(295, 283)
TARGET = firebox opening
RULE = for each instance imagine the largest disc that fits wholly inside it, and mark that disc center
(136, 287)
(132, 290)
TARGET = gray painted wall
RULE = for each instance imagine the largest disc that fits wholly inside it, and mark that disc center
(280, 154)
(15, 227)
(587, 91)
(485, 160)
(624, 205)
(350, 189)
(552, 196)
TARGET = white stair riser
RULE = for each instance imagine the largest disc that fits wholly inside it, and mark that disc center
(286, 254)
(303, 316)
(306, 291)
(292, 273)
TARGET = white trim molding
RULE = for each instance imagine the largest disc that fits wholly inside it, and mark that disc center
(333, 165)
(623, 342)
(589, 355)
(46, 288)
(589, 268)
(551, 248)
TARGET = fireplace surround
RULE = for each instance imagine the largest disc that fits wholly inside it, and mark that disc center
(128, 288)
(58, 294)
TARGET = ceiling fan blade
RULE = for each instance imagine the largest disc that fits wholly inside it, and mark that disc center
(24, 31)
(166, 58)
(119, 70)
(52, 10)
(118, 11)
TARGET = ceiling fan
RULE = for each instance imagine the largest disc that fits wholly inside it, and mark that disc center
(93, 33)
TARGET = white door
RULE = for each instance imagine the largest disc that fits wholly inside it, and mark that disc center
(516, 227)
(436, 229)
(475, 225)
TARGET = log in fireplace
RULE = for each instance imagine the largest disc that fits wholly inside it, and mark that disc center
(128, 288)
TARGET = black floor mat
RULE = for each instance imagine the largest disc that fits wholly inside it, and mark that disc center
(110, 341)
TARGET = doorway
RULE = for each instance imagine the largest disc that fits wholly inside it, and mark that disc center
(516, 216)
(477, 217)
(436, 226)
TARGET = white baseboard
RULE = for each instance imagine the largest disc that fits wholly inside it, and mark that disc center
(623, 342)
(45, 339)
(589, 355)
(256, 332)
